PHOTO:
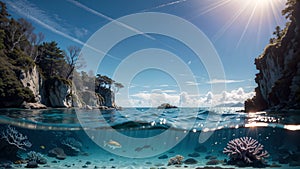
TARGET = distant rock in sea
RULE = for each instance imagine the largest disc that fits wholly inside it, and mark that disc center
(166, 106)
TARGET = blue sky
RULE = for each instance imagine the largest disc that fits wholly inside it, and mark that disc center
(238, 29)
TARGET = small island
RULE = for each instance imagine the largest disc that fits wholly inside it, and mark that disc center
(166, 106)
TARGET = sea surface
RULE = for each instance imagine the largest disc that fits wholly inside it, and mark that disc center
(149, 137)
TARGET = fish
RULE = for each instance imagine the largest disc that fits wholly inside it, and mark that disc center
(112, 144)
(138, 149)
(146, 146)
(42, 147)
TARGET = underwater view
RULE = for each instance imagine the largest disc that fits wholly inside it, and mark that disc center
(149, 84)
(55, 138)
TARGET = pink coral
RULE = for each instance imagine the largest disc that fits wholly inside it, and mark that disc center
(245, 149)
(15, 138)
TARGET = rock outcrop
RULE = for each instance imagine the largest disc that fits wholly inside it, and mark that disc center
(57, 93)
(32, 79)
(279, 71)
(108, 97)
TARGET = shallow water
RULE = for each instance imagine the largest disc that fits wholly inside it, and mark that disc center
(148, 137)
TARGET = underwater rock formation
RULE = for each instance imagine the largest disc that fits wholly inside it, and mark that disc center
(178, 159)
(58, 153)
(279, 69)
(245, 151)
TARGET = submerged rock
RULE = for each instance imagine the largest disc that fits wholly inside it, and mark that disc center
(58, 153)
(190, 161)
(178, 159)
(32, 164)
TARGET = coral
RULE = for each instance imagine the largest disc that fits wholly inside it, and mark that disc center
(245, 151)
(37, 157)
(15, 138)
(71, 146)
(175, 160)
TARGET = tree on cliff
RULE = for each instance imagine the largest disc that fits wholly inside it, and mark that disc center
(118, 86)
(288, 12)
(74, 60)
(103, 81)
(51, 59)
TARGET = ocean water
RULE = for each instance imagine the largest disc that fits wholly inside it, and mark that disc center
(148, 137)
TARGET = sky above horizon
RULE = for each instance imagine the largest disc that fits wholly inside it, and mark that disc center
(238, 30)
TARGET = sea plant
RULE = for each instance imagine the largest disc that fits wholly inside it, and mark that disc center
(14, 138)
(246, 151)
(71, 146)
(37, 157)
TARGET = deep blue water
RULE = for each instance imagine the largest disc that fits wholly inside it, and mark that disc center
(145, 134)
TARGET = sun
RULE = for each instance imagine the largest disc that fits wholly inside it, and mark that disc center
(262, 3)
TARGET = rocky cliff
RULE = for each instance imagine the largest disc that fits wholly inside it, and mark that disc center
(57, 92)
(279, 71)
(32, 79)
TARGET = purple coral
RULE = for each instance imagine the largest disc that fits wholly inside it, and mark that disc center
(245, 150)
(15, 138)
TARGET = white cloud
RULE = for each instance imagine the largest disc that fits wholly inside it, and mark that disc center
(184, 99)
(190, 83)
(80, 32)
(216, 81)
(153, 99)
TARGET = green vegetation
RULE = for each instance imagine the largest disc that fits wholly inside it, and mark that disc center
(21, 50)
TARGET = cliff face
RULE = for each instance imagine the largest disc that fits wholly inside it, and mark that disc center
(279, 71)
(32, 79)
(56, 92)
(108, 97)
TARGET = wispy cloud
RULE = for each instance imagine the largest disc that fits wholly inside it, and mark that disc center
(216, 81)
(190, 83)
(80, 32)
(109, 18)
(165, 5)
(30, 11)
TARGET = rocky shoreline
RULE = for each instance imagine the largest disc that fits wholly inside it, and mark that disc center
(278, 79)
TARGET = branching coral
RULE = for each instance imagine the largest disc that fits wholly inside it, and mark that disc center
(246, 150)
(71, 146)
(15, 138)
(37, 157)
(72, 143)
